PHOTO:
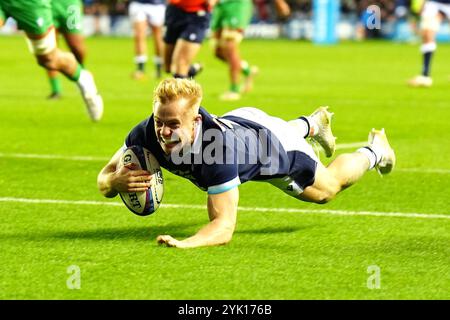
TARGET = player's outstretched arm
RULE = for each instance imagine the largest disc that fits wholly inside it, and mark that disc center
(222, 211)
(112, 179)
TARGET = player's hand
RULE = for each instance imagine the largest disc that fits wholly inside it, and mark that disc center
(170, 241)
(131, 179)
(282, 8)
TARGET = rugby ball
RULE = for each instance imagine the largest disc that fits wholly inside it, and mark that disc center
(146, 202)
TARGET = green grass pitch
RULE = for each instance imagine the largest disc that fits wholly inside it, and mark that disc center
(273, 254)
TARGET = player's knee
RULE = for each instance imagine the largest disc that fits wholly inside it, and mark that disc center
(325, 197)
(182, 61)
(327, 192)
(47, 61)
(233, 37)
(43, 45)
(318, 195)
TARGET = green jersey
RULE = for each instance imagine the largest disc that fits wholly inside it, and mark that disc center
(231, 14)
(37, 16)
(32, 16)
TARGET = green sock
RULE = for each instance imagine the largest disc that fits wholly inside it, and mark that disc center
(234, 87)
(55, 84)
(245, 68)
(77, 73)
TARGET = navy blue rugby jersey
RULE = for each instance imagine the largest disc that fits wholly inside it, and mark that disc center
(226, 152)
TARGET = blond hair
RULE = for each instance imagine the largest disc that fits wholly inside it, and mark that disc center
(173, 89)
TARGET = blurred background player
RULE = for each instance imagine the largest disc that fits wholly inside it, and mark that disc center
(34, 17)
(229, 20)
(98, 9)
(68, 21)
(2, 17)
(187, 22)
(144, 13)
(432, 15)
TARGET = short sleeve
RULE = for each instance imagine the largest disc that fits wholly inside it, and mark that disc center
(222, 176)
(138, 135)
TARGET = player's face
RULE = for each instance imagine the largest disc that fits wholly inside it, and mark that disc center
(174, 125)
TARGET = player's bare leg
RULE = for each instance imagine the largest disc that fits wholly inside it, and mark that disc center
(182, 58)
(158, 45)
(168, 54)
(140, 49)
(348, 168)
(431, 26)
(52, 58)
(77, 46)
(59, 60)
(227, 50)
(219, 51)
(231, 50)
(55, 84)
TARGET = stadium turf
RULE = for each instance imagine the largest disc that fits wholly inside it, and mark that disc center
(275, 254)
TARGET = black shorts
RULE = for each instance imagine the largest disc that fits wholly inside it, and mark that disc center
(190, 26)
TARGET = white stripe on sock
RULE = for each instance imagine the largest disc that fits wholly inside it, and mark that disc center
(370, 154)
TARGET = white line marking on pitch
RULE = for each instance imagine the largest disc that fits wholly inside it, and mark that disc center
(104, 159)
(51, 157)
(257, 209)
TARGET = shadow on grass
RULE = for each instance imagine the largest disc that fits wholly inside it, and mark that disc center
(133, 233)
(113, 233)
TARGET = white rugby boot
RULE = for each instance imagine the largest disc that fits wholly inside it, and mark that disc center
(91, 97)
(230, 96)
(379, 143)
(420, 82)
(324, 137)
(139, 75)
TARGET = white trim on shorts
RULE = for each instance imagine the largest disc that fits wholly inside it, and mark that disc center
(152, 13)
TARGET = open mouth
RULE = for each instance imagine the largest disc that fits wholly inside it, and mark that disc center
(169, 143)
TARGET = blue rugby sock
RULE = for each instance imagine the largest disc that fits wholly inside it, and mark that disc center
(427, 50)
